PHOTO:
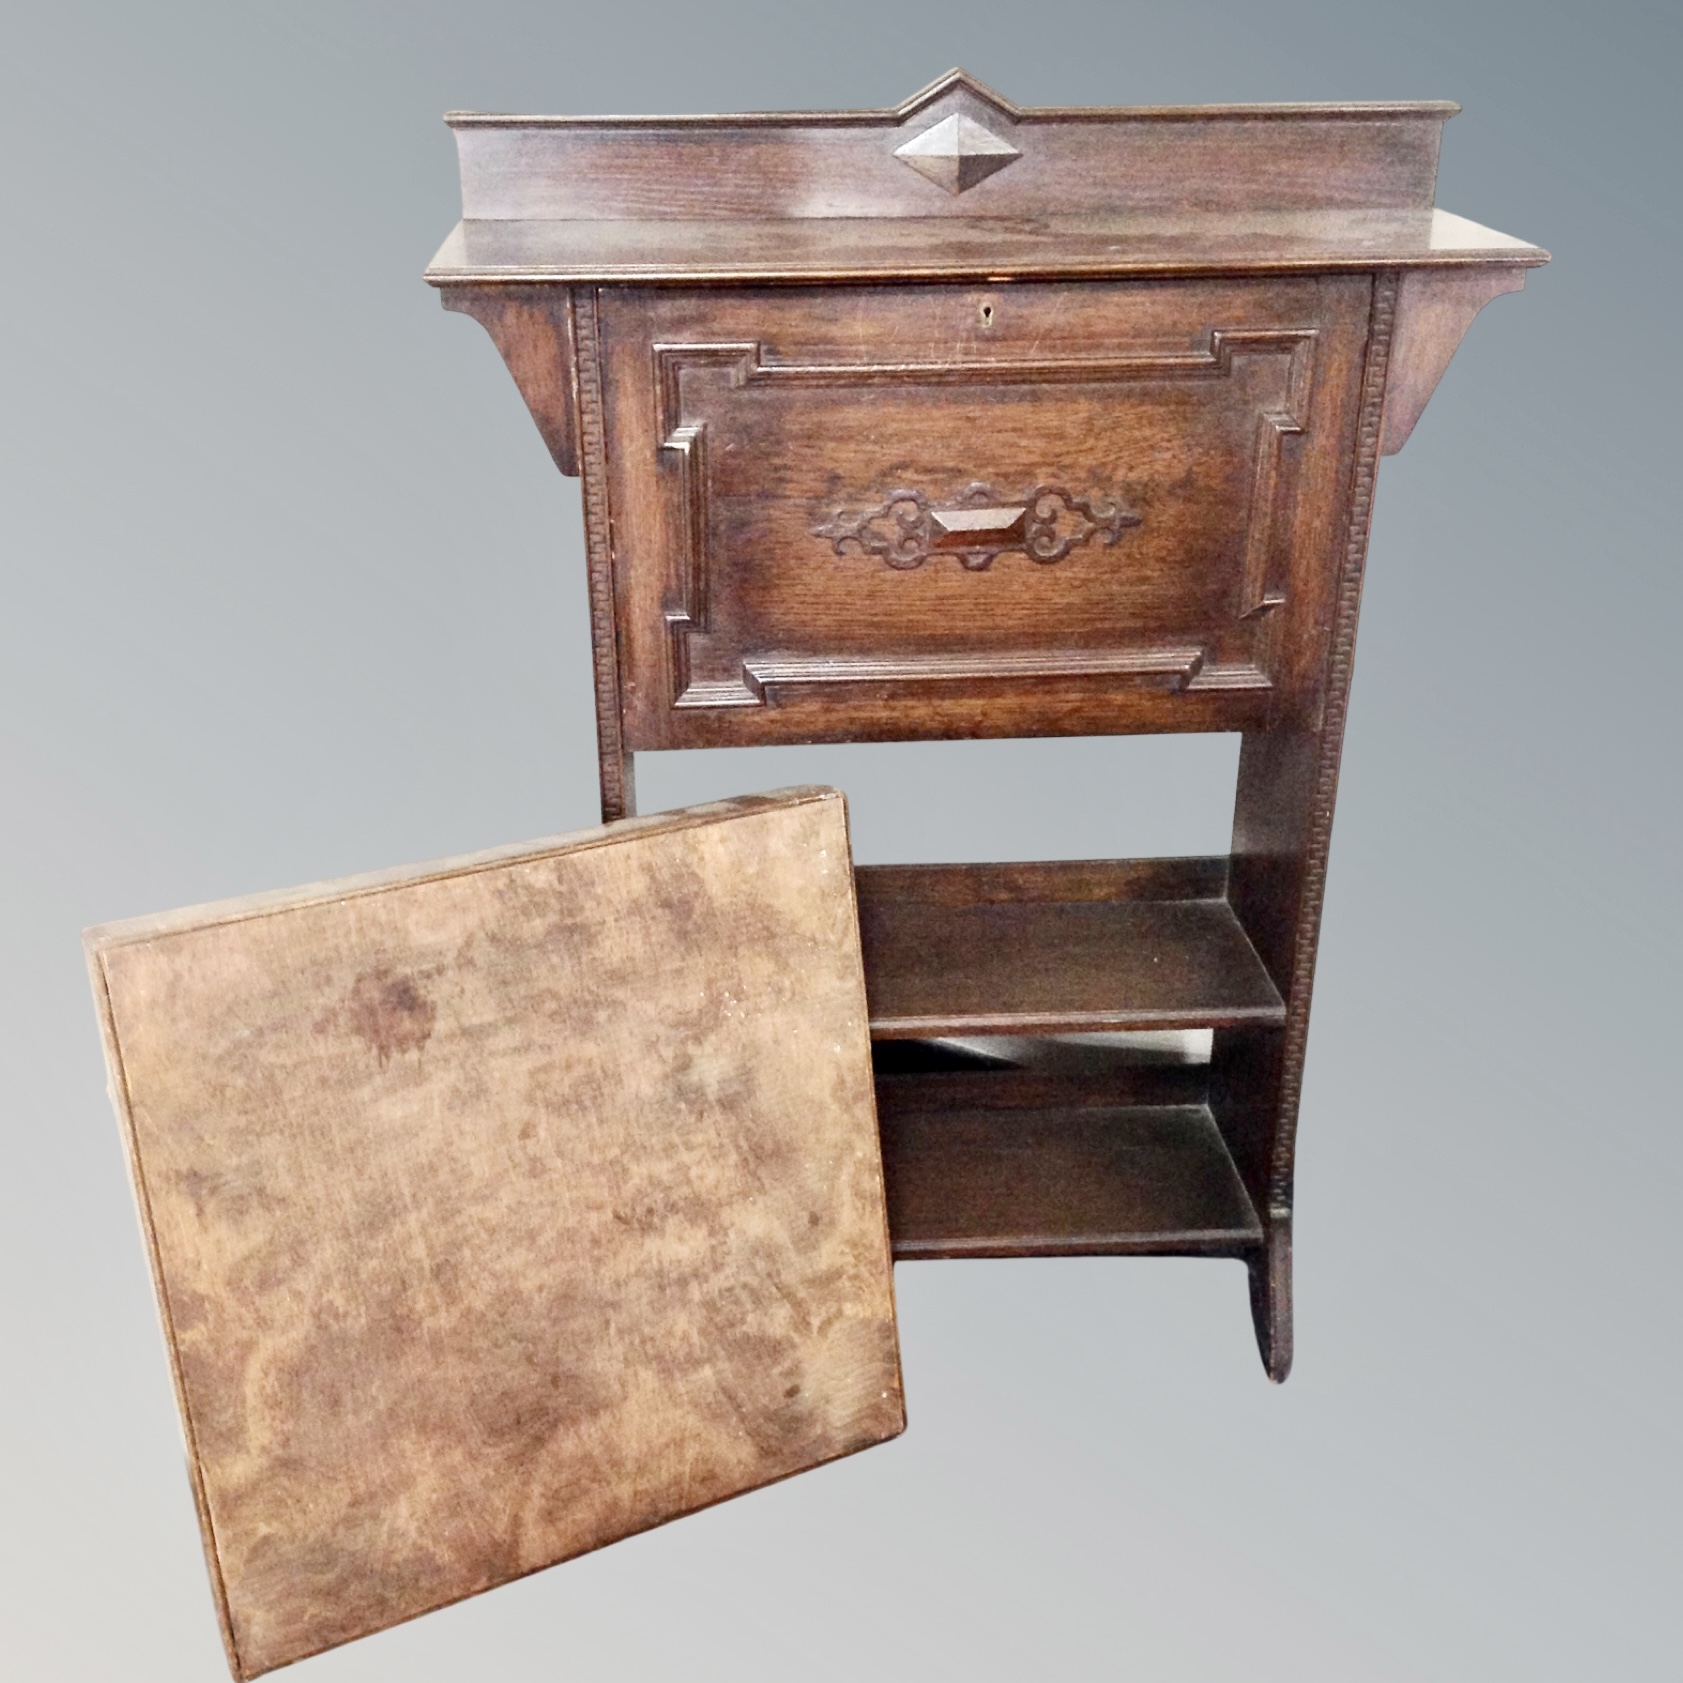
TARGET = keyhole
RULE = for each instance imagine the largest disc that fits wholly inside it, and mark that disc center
(987, 315)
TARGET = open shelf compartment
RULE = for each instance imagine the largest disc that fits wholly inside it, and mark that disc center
(1012, 1163)
(1057, 948)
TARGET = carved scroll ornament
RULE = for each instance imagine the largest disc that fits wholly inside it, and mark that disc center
(1045, 524)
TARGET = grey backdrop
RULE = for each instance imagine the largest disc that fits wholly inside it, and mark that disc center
(291, 589)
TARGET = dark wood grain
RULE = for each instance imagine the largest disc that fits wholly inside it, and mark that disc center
(1041, 246)
(1282, 836)
(1015, 882)
(752, 434)
(533, 329)
(937, 965)
(1066, 422)
(616, 771)
(1434, 309)
(1106, 1079)
(1086, 1180)
(841, 164)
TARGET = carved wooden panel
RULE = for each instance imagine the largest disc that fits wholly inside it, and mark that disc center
(1044, 523)
(1089, 506)
(954, 148)
(502, 1208)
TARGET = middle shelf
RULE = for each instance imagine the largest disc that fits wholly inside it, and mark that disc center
(1057, 948)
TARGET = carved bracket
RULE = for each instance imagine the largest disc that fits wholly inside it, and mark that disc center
(1435, 307)
(532, 327)
(1045, 523)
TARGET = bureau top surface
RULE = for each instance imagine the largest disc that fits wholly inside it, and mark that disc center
(956, 182)
(909, 248)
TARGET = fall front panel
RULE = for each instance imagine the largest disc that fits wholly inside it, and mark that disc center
(955, 510)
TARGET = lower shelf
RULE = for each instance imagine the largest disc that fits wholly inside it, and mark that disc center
(984, 1165)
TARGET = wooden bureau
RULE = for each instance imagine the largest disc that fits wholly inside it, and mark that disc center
(965, 420)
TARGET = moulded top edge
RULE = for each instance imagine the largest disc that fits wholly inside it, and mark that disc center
(903, 249)
(1430, 110)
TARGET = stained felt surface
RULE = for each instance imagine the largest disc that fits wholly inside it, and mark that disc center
(502, 1213)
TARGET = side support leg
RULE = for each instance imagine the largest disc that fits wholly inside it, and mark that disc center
(1245, 1073)
(619, 797)
(1271, 1296)
(1282, 829)
(619, 785)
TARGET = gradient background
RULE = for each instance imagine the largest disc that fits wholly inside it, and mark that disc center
(291, 589)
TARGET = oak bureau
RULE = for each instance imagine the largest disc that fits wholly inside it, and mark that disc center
(967, 420)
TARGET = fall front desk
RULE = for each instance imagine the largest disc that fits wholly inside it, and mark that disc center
(504, 1207)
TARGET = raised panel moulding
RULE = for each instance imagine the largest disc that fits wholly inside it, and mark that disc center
(904, 530)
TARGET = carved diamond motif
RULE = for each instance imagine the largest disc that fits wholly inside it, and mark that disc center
(957, 153)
